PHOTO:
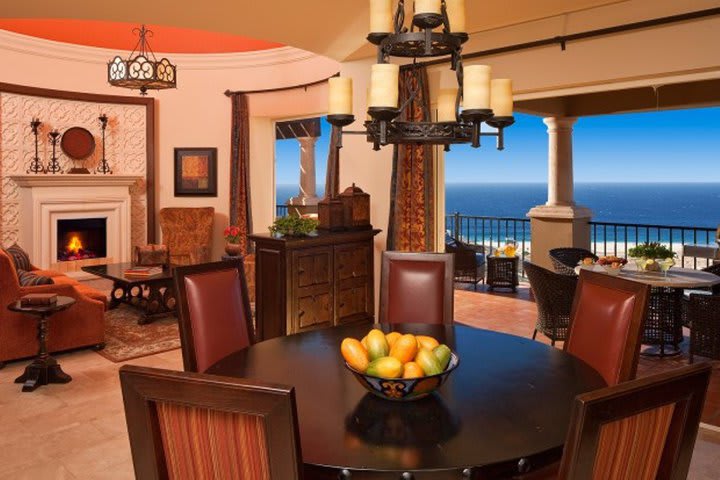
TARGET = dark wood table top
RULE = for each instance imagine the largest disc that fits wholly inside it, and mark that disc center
(62, 303)
(509, 398)
(116, 273)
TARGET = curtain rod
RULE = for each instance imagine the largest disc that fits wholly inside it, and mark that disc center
(563, 39)
(230, 93)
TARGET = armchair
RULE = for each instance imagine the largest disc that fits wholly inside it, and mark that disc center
(469, 260)
(188, 234)
(80, 326)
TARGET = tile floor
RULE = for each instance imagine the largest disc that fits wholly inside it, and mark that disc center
(77, 430)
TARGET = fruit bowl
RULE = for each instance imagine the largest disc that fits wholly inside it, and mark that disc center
(404, 389)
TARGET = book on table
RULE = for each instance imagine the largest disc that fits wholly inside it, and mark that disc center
(142, 271)
(38, 299)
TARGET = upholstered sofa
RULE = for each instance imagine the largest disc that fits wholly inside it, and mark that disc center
(188, 234)
(81, 325)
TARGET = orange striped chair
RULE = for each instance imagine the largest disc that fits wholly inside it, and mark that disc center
(186, 425)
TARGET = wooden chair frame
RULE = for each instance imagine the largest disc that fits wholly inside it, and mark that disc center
(685, 387)
(186, 336)
(448, 295)
(275, 404)
(631, 352)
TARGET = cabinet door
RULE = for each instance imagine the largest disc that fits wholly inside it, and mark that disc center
(313, 296)
(353, 286)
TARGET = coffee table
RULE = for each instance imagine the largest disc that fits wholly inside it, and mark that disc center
(44, 369)
(154, 295)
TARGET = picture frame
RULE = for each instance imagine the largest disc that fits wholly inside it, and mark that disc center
(196, 172)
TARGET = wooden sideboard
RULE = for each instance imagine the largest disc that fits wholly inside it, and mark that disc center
(306, 283)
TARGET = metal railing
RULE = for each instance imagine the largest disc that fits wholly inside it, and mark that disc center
(617, 238)
(281, 210)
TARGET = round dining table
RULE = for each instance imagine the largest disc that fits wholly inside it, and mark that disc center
(505, 409)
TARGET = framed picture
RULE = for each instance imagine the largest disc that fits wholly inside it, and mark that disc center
(196, 172)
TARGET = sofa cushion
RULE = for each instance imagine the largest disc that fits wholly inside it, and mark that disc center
(92, 293)
(48, 273)
(19, 257)
(65, 280)
(30, 279)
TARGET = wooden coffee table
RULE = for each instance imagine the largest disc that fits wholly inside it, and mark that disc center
(44, 369)
(154, 295)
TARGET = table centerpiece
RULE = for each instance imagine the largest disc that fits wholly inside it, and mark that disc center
(653, 257)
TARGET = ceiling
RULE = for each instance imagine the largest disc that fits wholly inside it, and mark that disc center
(326, 27)
(120, 36)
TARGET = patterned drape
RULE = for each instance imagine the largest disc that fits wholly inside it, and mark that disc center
(411, 227)
(332, 174)
(240, 213)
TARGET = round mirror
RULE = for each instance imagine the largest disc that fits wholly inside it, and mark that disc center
(77, 143)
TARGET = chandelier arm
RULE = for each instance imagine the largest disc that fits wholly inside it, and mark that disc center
(400, 17)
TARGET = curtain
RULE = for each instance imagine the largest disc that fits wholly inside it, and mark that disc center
(411, 227)
(240, 213)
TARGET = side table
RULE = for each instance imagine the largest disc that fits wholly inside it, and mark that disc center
(502, 272)
(44, 369)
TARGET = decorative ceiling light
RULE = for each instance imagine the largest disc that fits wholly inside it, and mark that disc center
(483, 100)
(142, 70)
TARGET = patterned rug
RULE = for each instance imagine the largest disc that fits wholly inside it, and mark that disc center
(125, 339)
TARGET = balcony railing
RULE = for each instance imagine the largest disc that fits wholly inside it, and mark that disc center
(281, 210)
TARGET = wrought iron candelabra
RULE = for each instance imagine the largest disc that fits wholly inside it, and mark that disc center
(104, 166)
(36, 165)
(54, 166)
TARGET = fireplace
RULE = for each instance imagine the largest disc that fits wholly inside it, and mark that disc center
(81, 239)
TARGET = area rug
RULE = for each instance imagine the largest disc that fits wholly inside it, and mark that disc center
(125, 339)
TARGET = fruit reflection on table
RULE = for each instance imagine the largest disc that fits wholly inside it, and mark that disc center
(398, 366)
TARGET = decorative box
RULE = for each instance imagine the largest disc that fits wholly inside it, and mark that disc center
(151, 255)
(330, 214)
(356, 208)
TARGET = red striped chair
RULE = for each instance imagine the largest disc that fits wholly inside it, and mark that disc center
(192, 426)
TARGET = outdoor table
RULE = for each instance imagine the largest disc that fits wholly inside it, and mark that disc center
(506, 408)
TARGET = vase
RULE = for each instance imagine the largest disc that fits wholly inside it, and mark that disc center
(232, 249)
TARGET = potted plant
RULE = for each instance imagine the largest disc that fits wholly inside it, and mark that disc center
(652, 257)
(232, 240)
(293, 226)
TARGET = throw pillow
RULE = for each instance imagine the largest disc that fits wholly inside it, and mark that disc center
(20, 257)
(29, 279)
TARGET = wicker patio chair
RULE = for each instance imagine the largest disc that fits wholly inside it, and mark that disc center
(469, 261)
(714, 290)
(704, 312)
(565, 259)
(554, 294)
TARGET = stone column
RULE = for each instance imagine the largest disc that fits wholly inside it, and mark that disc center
(560, 222)
(307, 197)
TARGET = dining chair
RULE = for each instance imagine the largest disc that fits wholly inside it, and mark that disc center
(416, 288)
(214, 312)
(553, 293)
(565, 259)
(185, 425)
(704, 315)
(606, 324)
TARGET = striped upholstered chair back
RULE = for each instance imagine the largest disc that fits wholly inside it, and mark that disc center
(193, 426)
(644, 429)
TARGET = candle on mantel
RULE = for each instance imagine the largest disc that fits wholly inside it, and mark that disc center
(456, 15)
(384, 85)
(501, 97)
(428, 6)
(446, 105)
(476, 88)
(381, 16)
(340, 96)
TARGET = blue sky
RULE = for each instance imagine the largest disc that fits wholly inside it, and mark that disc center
(666, 146)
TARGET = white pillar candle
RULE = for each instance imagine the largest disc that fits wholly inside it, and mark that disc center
(476, 87)
(446, 105)
(456, 15)
(501, 97)
(381, 16)
(384, 89)
(428, 6)
(340, 96)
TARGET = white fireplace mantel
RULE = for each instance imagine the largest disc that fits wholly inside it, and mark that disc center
(46, 199)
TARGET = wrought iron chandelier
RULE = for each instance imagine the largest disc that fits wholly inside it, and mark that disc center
(142, 70)
(482, 100)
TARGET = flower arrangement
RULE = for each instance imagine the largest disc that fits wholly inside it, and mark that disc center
(651, 250)
(232, 234)
(292, 225)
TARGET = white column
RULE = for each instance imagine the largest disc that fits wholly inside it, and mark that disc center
(560, 161)
(308, 194)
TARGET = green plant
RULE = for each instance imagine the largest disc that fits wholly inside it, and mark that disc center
(293, 225)
(651, 250)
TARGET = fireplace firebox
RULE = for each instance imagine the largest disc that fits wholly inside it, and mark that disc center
(81, 239)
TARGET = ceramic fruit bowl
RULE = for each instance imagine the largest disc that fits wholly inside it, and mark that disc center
(404, 389)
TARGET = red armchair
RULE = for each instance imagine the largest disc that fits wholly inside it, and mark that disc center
(81, 325)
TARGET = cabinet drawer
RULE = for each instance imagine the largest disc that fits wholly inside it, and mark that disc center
(353, 302)
(352, 261)
(312, 267)
(314, 311)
